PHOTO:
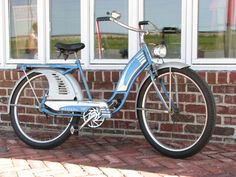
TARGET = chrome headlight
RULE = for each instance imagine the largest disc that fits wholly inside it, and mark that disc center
(160, 51)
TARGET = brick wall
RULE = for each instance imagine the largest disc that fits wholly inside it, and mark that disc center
(223, 85)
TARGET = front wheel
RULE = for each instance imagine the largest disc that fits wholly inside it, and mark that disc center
(186, 127)
(31, 125)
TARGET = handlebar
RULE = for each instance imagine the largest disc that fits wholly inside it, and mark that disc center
(114, 16)
(103, 19)
(139, 30)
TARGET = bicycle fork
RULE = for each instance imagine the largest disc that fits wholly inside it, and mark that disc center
(172, 107)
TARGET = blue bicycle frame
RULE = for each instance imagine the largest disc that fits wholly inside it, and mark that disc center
(131, 72)
(141, 61)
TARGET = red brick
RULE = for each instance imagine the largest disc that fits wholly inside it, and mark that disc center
(112, 159)
(126, 124)
(7, 74)
(132, 96)
(195, 108)
(95, 157)
(98, 76)
(172, 127)
(211, 78)
(202, 74)
(224, 89)
(3, 109)
(222, 109)
(224, 131)
(107, 95)
(103, 86)
(232, 77)
(222, 77)
(7, 83)
(232, 110)
(3, 92)
(2, 75)
(218, 98)
(230, 99)
(129, 105)
(97, 94)
(130, 115)
(150, 163)
(141, 76)
(230, 120)
(118, 115)
(115, 76)
(107, 76)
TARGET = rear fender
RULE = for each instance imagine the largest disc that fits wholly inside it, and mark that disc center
(61, 87)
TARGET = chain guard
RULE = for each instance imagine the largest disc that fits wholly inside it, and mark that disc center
(95, 116)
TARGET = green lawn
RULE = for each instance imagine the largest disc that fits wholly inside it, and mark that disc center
(206, 42)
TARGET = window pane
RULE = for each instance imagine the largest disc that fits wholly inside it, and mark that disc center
(114, 39)
(65, 24)
(166, 15)
(23, 29)
(216, 31)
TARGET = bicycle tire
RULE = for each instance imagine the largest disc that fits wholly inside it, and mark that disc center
(182, 134)
(29, 124)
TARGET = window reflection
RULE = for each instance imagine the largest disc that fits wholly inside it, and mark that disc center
(65, 24)
(217, 25)
(114, 39)
(166, 15)
(23, 29)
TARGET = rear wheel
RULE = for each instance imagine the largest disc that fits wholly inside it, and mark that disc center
(31, 125)
(187, 127)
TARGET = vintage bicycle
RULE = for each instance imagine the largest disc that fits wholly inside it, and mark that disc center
(174, 106)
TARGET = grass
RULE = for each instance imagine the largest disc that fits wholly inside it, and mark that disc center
(206, 42)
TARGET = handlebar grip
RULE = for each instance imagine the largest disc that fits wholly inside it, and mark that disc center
(103, 18)
(143, 23)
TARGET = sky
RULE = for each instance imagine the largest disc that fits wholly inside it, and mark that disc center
(65, 14)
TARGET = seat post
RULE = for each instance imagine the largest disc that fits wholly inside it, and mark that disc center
(76, 56)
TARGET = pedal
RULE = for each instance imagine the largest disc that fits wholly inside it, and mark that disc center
(74, 130)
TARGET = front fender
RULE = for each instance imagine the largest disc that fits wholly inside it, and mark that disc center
(55, 78)
(171, 65)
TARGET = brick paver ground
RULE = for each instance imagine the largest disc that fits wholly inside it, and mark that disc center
(110, 156)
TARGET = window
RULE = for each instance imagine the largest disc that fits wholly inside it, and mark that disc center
(113, 43)
(166, 15)
(217, 29)
(23, 29)
(65, 24)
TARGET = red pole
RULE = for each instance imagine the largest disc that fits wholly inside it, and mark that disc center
(99, 40)
(231, 13)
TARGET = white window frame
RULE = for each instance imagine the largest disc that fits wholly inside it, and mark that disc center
(2, 37)
(84, 34)
(189, 38)
(206, 63)
(40, 21)
(132, 37)
(184, 31)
